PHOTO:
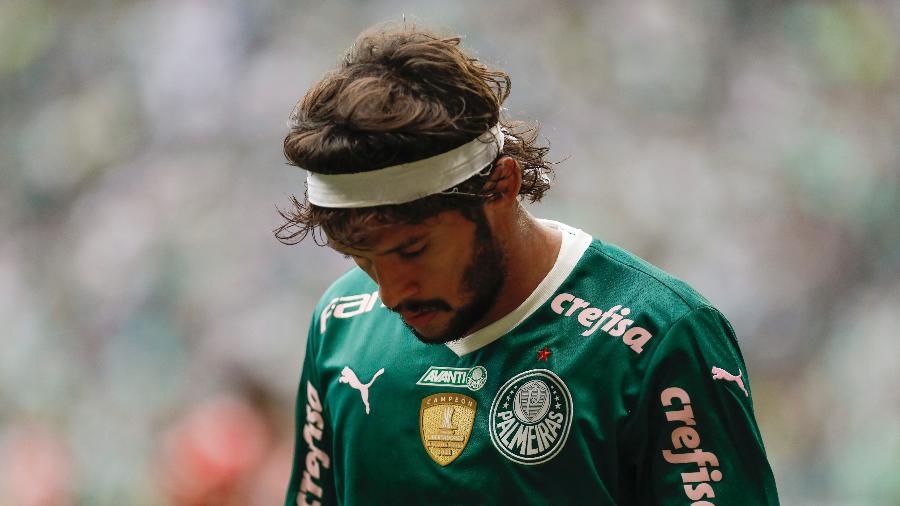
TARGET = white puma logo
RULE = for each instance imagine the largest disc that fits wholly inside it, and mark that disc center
(349, 377)
(721, 374)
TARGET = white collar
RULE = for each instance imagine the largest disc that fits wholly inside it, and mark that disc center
(574, 244)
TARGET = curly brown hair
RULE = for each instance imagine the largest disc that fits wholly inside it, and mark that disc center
(400, 95)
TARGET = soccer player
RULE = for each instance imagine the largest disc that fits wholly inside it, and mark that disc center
(477, 354)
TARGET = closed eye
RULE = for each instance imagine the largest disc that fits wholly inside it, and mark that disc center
(407, 254)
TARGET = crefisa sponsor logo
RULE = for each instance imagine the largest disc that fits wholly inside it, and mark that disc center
(315, 459)
(472, 378)
(531, 416)
(699, 465)
(348, 306)
(612, 321)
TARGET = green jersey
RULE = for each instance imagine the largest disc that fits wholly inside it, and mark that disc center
(612, 383)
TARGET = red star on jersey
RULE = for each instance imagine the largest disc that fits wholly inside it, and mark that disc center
(543, 354)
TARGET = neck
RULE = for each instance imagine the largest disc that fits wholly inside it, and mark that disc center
(530, 249)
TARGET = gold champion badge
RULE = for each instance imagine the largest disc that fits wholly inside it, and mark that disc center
(445, 422)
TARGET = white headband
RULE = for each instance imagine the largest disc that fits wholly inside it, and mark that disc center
(406, 182)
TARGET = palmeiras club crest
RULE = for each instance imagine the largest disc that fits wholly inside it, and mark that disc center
(445, 423)
(531, 416)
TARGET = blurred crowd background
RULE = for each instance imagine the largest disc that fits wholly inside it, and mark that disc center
(153, 329)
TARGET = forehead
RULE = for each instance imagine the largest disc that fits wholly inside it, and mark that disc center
(376, 236)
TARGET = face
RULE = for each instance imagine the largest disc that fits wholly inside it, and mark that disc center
(441, 276)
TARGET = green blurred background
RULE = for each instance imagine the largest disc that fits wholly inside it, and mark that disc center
(153, 329)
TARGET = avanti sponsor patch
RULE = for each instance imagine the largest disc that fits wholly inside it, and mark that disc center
(472, 378)
(531, 416)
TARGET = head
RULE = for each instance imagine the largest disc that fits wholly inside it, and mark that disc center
(402, 96)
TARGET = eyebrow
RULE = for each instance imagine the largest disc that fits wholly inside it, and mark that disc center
(403, 245)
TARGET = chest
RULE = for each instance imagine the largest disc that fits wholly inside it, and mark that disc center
(411, 417)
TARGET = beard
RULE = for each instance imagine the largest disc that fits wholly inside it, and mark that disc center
(481, 280)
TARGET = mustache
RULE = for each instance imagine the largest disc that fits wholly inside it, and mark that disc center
(421, 306)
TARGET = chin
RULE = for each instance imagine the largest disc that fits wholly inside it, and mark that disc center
(451, 327)
(435, 337)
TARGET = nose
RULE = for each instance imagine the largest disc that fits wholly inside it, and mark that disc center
(396, 283)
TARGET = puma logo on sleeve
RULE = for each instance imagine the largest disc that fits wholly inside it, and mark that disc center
(721, 374)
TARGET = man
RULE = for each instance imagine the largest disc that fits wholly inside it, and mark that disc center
(478, 355)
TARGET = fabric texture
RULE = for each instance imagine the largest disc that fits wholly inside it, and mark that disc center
(623, 386)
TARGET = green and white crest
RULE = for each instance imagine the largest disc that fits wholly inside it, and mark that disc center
(531, 416)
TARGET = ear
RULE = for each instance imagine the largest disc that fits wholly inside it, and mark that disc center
(506, 180)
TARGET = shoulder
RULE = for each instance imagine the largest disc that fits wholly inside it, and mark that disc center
(354, 281)
(632, 274)
(352, 294)
(614, 292)
(672, 321)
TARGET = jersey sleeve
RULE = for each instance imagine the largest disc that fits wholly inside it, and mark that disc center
(701, 443)
(312, 478)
